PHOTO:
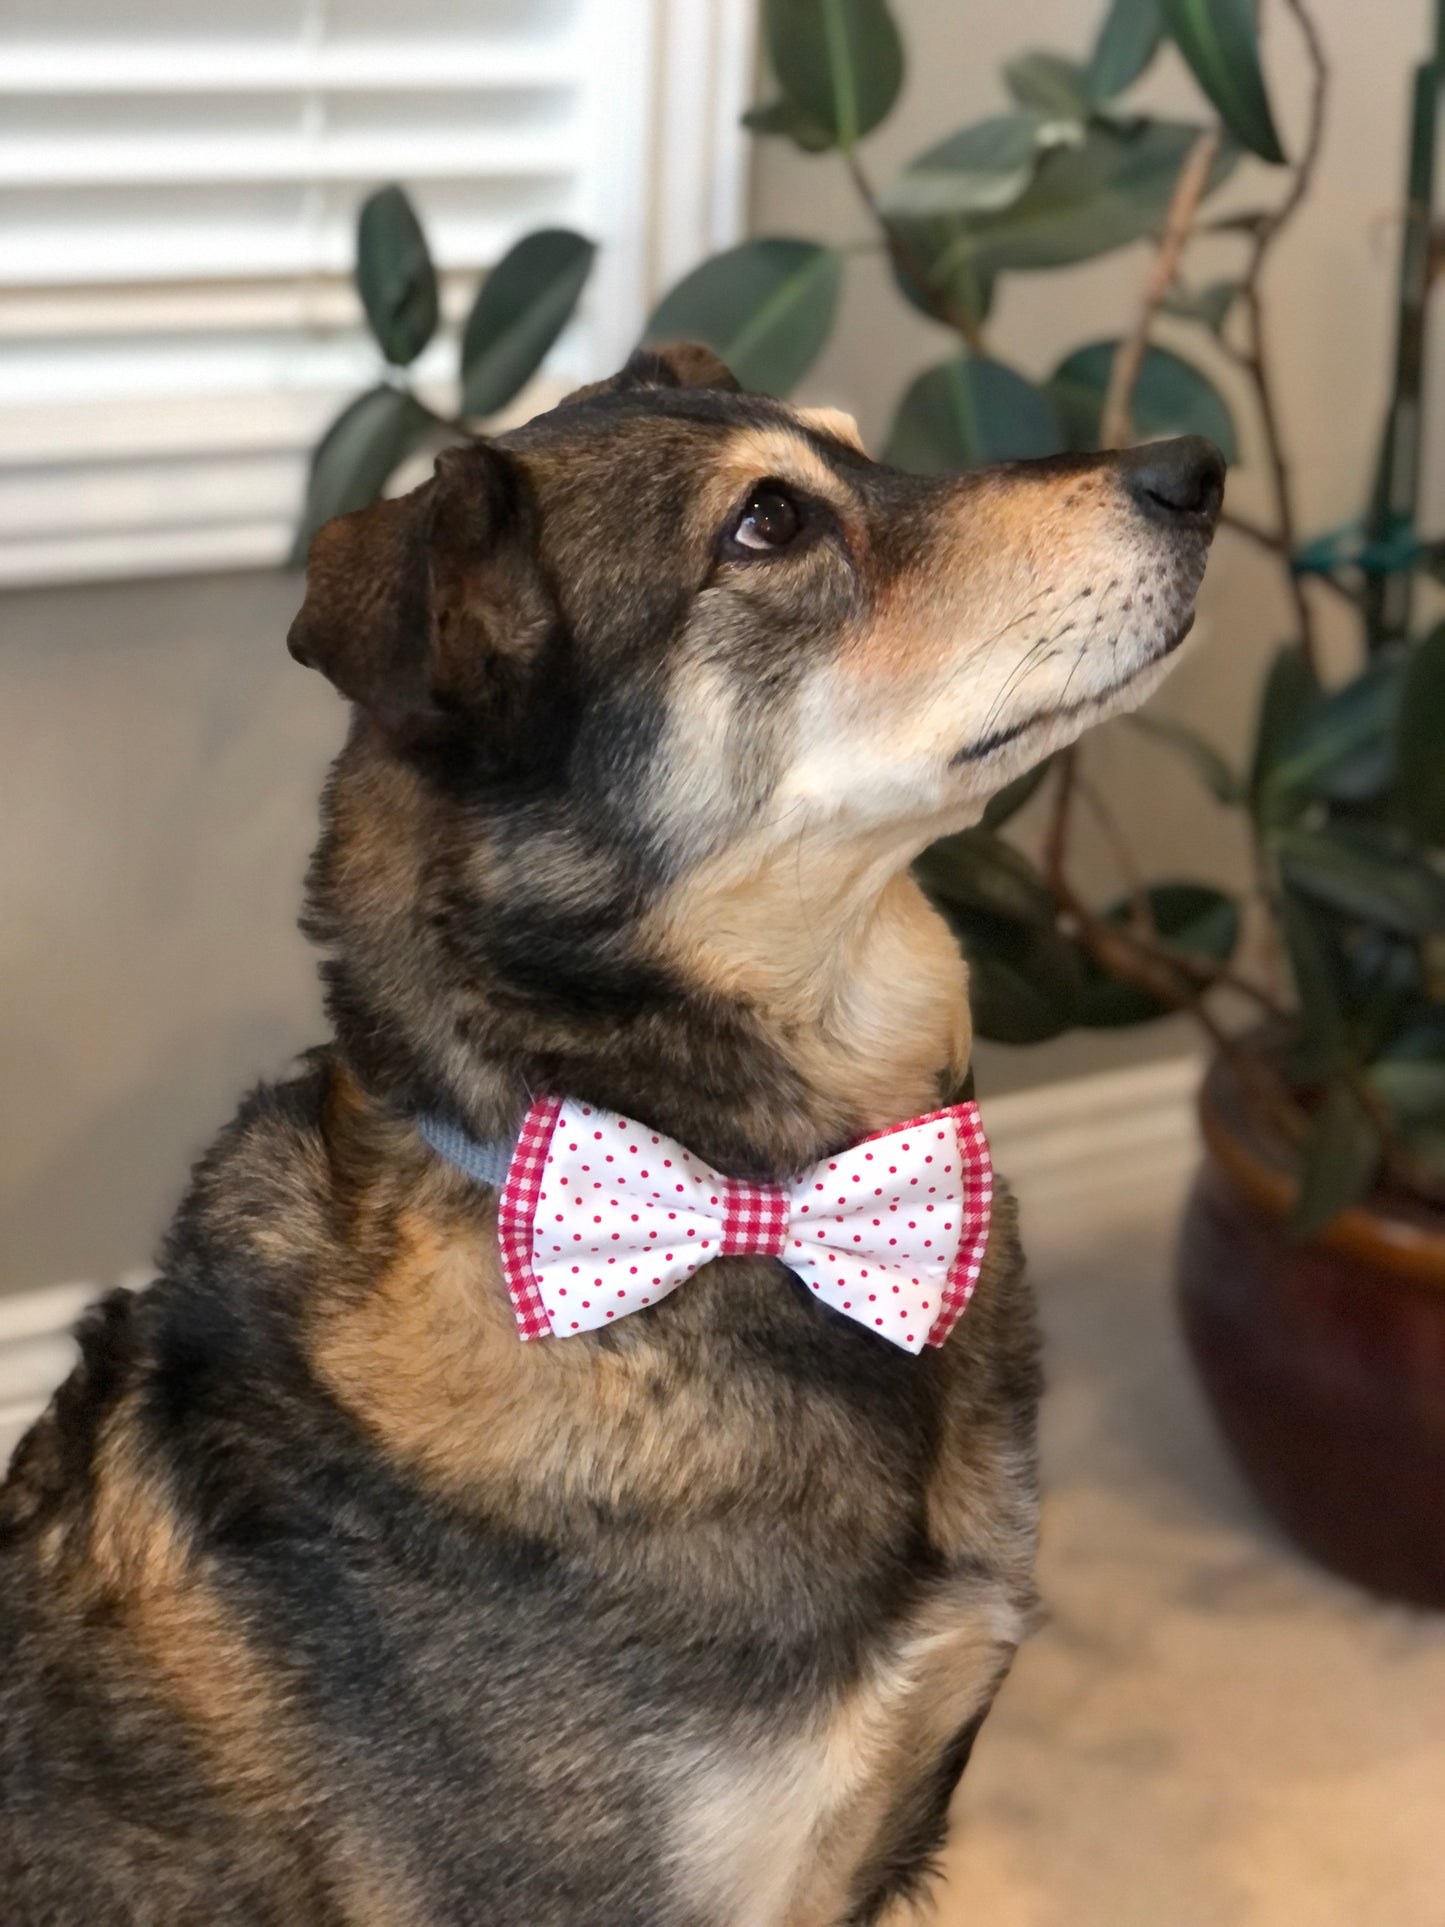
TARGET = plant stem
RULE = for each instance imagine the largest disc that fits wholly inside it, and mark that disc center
(1140, 910)
(1137, 961)
(1171, 975)
(1256, 367)
(1116, 426)
(1389, 593)
(1267, 539)
(1253, 357)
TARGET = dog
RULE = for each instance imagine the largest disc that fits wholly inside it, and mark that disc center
(323, 1599)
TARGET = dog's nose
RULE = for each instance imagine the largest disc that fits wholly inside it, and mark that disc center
(1181, 480)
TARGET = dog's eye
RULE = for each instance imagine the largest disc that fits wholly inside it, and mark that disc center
(770, 519)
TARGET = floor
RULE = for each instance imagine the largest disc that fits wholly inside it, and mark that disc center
(1207, 1732)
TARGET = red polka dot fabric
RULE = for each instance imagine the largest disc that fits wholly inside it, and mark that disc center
(601, 1216)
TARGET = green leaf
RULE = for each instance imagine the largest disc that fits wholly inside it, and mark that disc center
(1171, 397)
(1012, 797)
(947, 287)
(1023, 973)
(784, 117)
(1112, 188)
(357, 456)
(977, 170)
(395, 276)
(766, 307)
(1340, 1158)
(1220, 41)
(520, 310)
(1420, 1040)
(1322, 1045)
(1409, 1079)
(1365, 870)
(1191, 917)
(1387, 551)
(1340, 746)
(1413, 1091)
(1049, 83)
(978, 871)
(1023, 982)
(1289, 689)
(1382, 983)
(1128, 41)
(968, 412)
(1210, 304)
(1215, 772)
(840, 61)
(1420, 740)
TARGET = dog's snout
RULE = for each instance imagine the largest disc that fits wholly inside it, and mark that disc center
(1182, 480)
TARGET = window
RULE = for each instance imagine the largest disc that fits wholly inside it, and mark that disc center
(177, 208)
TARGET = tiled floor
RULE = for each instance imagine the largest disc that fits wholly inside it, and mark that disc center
(1208, 1732)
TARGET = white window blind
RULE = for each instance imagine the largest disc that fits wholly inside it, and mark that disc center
(179, 181)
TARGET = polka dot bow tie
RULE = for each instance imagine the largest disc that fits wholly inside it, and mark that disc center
(600, 1216)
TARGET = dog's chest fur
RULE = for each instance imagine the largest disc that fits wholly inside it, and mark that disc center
(788, 1830)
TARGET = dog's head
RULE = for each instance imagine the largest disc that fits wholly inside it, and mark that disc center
(671, 654)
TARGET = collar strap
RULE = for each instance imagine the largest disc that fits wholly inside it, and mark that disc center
(486, 1163)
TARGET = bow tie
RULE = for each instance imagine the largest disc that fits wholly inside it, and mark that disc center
(600, 1216)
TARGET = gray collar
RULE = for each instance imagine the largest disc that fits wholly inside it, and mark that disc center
(486, 1163)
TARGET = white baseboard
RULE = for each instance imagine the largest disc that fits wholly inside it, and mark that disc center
(37, 1350)
(1105, 1134)
(1101, 1137)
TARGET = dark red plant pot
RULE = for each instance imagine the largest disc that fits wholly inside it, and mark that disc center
(1324, 1361)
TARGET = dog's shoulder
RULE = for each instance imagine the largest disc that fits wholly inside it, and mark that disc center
(249, 1237)
(259, 1200)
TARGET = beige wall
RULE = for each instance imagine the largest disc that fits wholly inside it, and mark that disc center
(159, 760)
(160, 754)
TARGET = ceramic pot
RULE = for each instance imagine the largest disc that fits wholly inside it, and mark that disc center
(1324, 1360)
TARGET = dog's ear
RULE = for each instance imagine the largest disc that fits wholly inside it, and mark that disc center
(431, 611)
(671, 364)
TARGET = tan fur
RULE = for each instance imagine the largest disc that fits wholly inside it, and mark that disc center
(1031, 585)
(810, 1805)
(861, 973)
(141, 1567)
(836, 422)
(752, 455)
(368, 1892)
(428, 1358)
(228, 1697)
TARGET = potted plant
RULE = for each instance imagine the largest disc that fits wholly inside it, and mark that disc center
(1312, 1264)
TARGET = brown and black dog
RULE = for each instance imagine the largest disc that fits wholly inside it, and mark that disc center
(324, 1600)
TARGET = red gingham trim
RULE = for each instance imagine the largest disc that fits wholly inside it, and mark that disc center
(517, 1207)
(976, 1167)
(755, 1219)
